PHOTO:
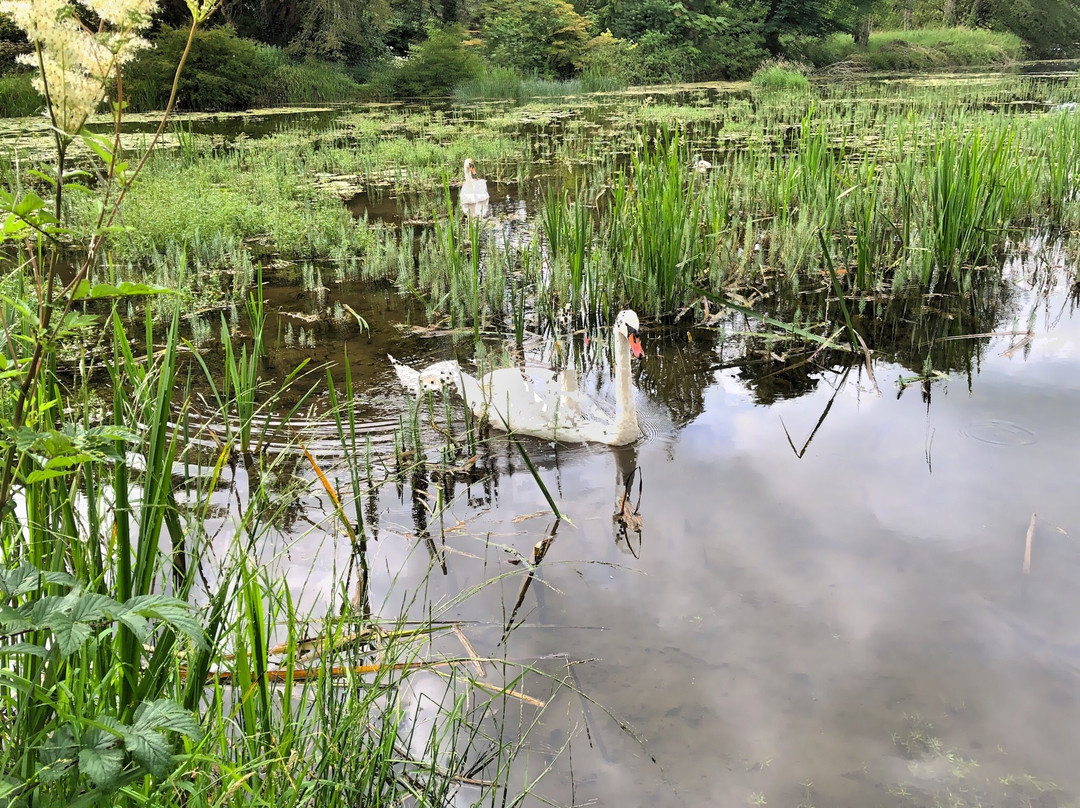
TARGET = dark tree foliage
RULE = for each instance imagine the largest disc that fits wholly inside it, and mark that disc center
(692, 39)
(434, 67)
(1050, 27)
(223, 71)
(806, 17)
(12, 44)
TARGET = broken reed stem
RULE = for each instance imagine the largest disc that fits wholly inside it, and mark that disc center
(1027, 545)
(340, 671)
(869, 364)
(333, 498)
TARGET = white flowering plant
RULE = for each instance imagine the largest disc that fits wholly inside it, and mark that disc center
(60, 745)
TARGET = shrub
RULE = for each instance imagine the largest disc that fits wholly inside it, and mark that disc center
(434, 67)
(545, 37)
(608, 58)
(223, 71)
(664, 58)
(780, 74)
(18, 97)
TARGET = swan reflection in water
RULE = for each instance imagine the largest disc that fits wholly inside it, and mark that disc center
(511, 402)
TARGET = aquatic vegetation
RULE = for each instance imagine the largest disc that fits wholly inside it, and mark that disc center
(622, 219)
(154, 648)
(780, 74)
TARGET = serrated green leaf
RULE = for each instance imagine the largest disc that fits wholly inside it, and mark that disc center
(41, 475)
(92, 607)
(166, 714)
(70, 635)
(172, 611)
(12, 620)
(57, 754)
(23, 648)
(27, 578)
(109, 432)
(139, 625)
(101, 759)
(150, 749)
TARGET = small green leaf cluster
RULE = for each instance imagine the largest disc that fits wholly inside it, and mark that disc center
(51, 627)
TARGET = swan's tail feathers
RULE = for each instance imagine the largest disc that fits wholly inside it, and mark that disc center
(409, 378)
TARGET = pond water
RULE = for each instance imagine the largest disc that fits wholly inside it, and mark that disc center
(822, 596)
(825, 603)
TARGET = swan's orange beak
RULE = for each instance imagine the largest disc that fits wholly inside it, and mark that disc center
(635, 342)
(472, 170)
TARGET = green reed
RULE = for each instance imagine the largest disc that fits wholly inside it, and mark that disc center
(659, 249)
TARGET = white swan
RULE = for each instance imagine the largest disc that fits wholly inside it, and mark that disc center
(512, 403)
(701, 165)
(473, 191)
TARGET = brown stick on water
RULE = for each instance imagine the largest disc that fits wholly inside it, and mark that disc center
(1027, 545)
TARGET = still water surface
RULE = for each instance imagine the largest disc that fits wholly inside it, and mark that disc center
(839, 623)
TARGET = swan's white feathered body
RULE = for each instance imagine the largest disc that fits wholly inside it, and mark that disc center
(473, 191)
(513, 403)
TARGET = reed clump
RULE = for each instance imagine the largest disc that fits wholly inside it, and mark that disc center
(910, 183)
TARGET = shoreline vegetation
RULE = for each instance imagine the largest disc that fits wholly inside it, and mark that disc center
(160, 643)
(243, 75)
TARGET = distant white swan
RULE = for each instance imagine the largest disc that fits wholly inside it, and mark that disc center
(473, 191)
(701, 165)
(512, 403)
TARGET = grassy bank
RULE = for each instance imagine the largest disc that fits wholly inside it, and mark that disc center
(18, 97)
(925, 49)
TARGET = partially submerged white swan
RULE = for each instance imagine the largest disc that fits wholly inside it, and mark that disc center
(701, 165)
(473, 190)
(512, 403)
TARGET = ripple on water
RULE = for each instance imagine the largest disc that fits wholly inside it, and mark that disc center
(999, 433)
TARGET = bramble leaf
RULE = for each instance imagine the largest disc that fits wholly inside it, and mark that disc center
(101, 759)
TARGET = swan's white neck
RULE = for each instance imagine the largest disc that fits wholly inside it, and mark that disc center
(626, 423)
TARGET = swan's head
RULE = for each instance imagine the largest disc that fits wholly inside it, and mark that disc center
(470, 169)
(627, 327)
